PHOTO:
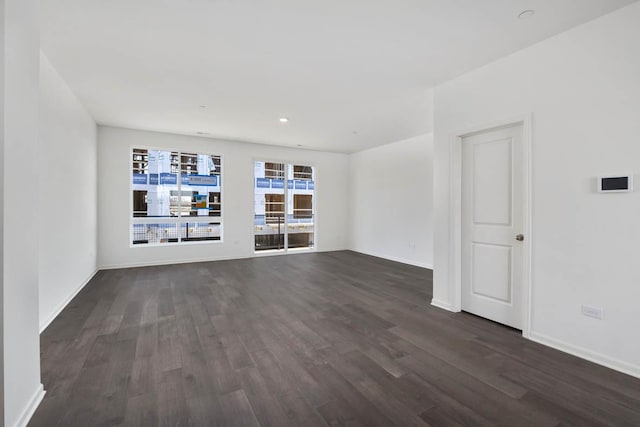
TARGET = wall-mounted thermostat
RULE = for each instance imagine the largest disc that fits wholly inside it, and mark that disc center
(615, 184)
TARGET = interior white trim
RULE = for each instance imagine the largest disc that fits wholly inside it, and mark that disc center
(583, 353)
(276, 252)
(222, 258)
(31, 407)
(169, 262)
(55, 314)
(395, 259)
(455, 207)
(441, 304)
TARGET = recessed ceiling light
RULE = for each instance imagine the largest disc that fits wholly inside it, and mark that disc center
(526, 14)
(284, 119)
(203, 106)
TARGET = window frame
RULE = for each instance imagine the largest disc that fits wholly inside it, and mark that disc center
(177, 220)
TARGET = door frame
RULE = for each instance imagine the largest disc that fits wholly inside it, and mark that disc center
(286, 250)
(455, 209)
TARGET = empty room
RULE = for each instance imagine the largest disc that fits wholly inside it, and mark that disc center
(320, 213)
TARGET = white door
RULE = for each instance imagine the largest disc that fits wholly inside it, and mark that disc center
(492, 225)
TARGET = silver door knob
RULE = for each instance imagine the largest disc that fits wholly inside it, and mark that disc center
(519, 237)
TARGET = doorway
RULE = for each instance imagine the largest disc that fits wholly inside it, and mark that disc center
(523, 124)
(493, 224)
(283, 207)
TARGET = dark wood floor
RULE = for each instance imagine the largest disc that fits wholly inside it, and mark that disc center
(310, 340)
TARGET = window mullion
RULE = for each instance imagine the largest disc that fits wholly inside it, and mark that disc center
(286, 205)
(179, 181)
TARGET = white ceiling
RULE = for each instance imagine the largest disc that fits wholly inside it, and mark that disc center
(351, 74)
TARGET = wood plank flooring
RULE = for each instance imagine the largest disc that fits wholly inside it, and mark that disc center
(317, 339)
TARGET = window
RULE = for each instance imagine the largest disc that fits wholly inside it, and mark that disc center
(283, 214)
(177, 197)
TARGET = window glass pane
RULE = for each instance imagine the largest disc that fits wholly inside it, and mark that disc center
(302, 206)
(180, 203)
(139, 203)
(302, 172)
(273, 170)
(214, 191)
(154, 233)
(274, 208)
(200, 177)
(300, 213)
(200, 231)
(140, 176)
(269, 206)
(153, 182)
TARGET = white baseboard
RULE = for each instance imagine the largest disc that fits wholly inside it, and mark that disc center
(31, 407)
(208, 259)
(441, 304)
(583, 353)
(331, 248)
(395, 259)
(168, 262)
(55, 314)
(296, 251)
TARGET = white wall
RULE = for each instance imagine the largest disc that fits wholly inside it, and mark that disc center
(68, 194)
(2, 157)
(22, 390)
(114, 176)
(583, 90)
(391, 201)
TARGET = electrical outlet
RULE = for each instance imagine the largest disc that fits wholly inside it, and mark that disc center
(594, 312)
